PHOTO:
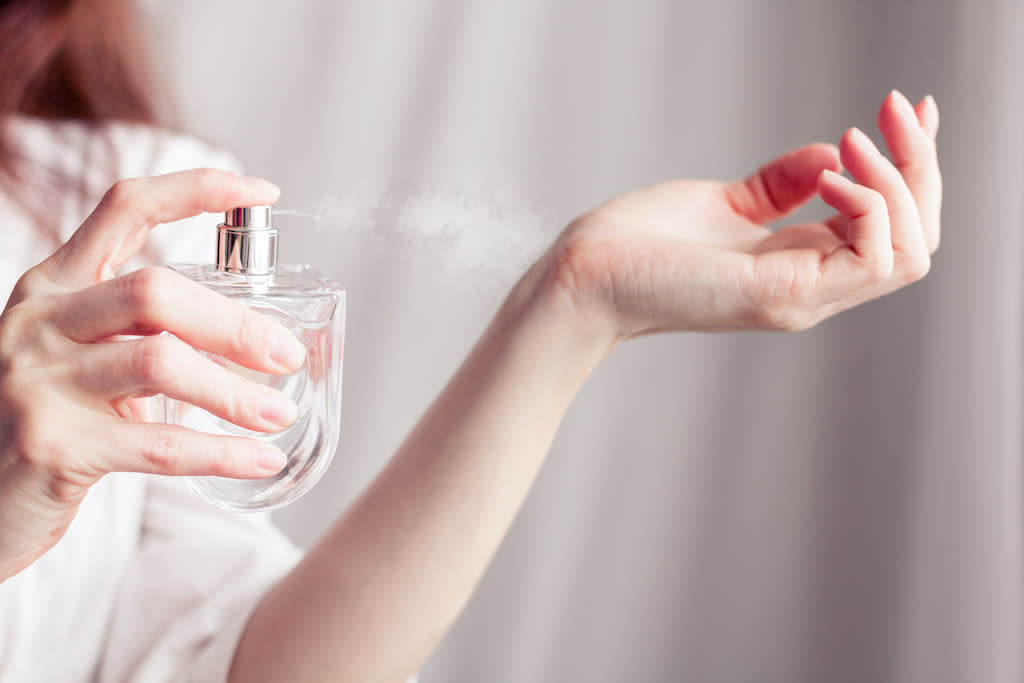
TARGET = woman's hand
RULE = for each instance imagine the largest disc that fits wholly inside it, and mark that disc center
(68, 380)
(691, 255)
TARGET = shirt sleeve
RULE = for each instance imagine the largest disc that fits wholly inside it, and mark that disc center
(197, 576)
(199, 571)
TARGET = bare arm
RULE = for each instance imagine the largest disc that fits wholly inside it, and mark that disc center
(400, 564)
(374, 596)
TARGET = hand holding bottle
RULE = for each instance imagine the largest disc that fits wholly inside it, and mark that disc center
(692, 255)
(68, 384)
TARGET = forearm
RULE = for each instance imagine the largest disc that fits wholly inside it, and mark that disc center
(372, 599)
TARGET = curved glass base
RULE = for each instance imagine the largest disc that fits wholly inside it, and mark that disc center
(310, 442)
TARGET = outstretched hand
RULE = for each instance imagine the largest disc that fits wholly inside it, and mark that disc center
(694, 255)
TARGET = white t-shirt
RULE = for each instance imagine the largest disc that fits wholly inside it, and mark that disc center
(149, 583)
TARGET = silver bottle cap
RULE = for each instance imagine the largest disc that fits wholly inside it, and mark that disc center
(247, 241)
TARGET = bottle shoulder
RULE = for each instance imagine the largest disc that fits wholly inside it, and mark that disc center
(287, 280)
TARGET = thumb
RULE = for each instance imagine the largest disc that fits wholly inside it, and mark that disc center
(781, 186)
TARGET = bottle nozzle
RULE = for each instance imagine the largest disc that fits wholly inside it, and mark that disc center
(247, 241)
(252, 217)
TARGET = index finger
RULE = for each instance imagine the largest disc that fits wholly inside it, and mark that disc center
(120, 224)
(158, 299)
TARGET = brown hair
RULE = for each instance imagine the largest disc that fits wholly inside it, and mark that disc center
(70, 59)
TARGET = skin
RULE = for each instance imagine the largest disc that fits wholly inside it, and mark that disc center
(373, 597)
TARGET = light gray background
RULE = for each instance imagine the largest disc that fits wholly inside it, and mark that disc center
(843, 504)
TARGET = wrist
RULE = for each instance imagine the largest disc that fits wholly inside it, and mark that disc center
(578, 331)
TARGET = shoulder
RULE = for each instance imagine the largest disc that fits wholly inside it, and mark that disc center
(145, 150)
(106, 152)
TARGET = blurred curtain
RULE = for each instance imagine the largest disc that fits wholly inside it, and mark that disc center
(843, 504)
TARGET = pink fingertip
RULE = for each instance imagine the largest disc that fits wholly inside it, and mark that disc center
(904, 108)
(933, 109)
(860, 139)
(285, 349)
(833, 178)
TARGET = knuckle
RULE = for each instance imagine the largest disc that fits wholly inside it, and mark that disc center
(145, 292)
(65, 491)
(876, 201)
(122, 192)
(24, 337)
(251, 334)
(175, 454)
(917, 266)
(33, 281)
(32, 440)
(14, 329)
(164, 452)
(36, 442)
(242, 397)
(152, 360)
(19, 392)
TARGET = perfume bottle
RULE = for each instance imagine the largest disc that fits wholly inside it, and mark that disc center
(313, 308)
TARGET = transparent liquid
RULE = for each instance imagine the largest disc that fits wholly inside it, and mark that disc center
(313, 308)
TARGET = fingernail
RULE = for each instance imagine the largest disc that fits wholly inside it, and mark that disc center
(270, 459)
(285, 349)
(260, 185)
(861, 139)
(904, 107)
(833, 177)
(934, 107)
(278, 409)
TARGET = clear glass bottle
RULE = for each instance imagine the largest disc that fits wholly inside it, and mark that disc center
(310, 306)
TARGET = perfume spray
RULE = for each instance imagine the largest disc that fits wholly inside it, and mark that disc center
(313, 308)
